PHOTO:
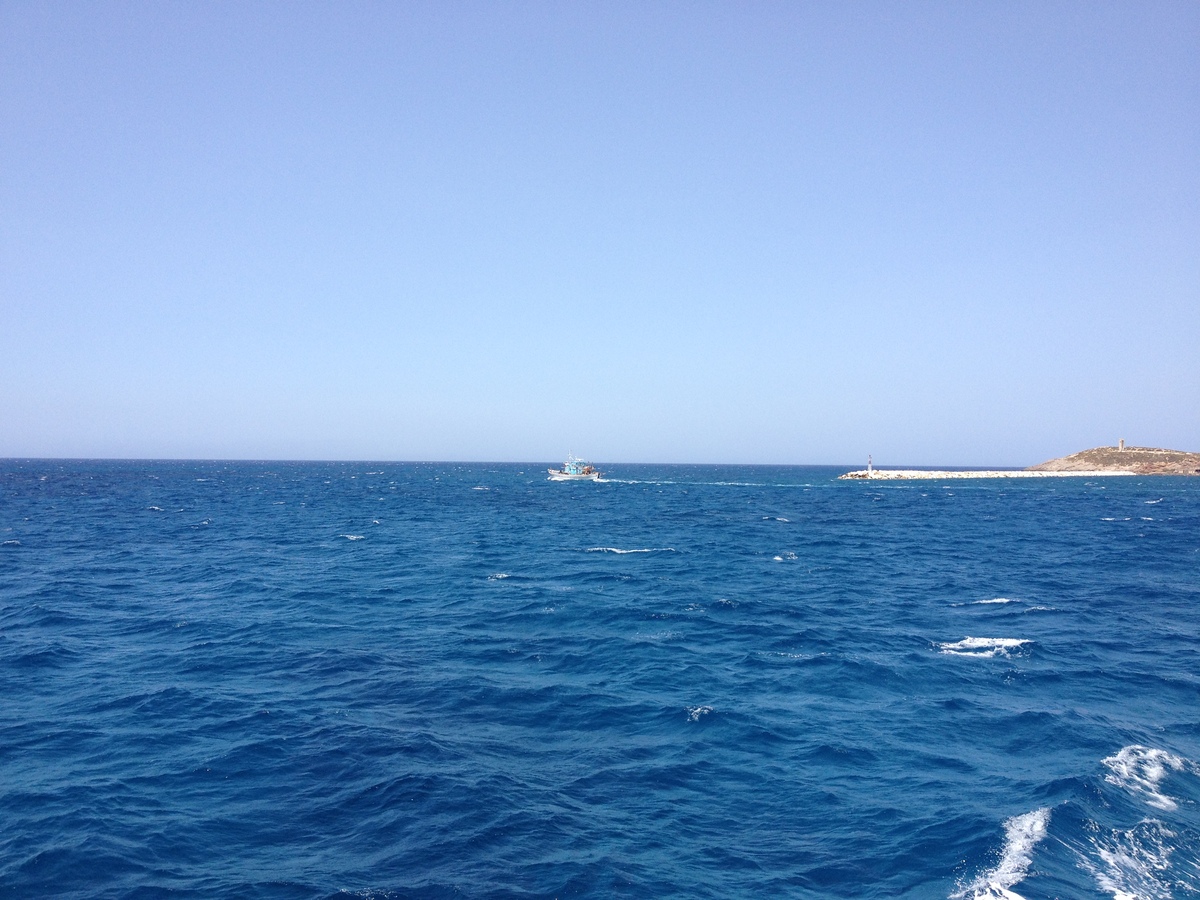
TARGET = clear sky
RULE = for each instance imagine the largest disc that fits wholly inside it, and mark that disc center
(940, 233)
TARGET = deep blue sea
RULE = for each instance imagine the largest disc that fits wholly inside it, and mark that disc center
(318, 680)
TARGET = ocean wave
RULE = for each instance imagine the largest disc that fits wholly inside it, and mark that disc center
(695, 712)
(352, 537)
(996, 600)
(1141, 771)
(977, 646)
(1021, 834)
(498, 576)
(639, 550)
(786, 555)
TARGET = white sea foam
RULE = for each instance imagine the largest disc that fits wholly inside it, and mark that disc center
(774, 519)
(641, 550)
(1133, 864)
(1021, 834)
(12, 543)
(1141, 771)
(1149, 502)
(498, 576)
(352, 537)
(996, 600)
(787, 554)
(155, 508)
(655, 637)
(978, 646)
(695, 712)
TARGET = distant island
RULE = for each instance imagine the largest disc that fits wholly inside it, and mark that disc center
(1118, 460)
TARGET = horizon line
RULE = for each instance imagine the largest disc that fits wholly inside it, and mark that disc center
(476, 462)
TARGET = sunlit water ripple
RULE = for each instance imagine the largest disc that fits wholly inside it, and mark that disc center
(424, 680)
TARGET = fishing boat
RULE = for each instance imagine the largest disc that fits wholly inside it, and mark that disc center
(574, 469)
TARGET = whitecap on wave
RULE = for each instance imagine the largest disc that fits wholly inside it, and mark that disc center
(352, 537)
(978, 646)
(993, 601)
(1141, 771)
(1021, 834)
(640, 550)
(695, 712)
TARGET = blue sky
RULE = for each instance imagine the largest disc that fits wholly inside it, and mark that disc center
(940, 233)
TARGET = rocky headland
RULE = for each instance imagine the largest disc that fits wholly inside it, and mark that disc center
(1134, 460)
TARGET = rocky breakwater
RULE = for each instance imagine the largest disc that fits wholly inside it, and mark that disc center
(942, 474)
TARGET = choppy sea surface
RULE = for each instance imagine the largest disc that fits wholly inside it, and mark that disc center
(312, 680)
